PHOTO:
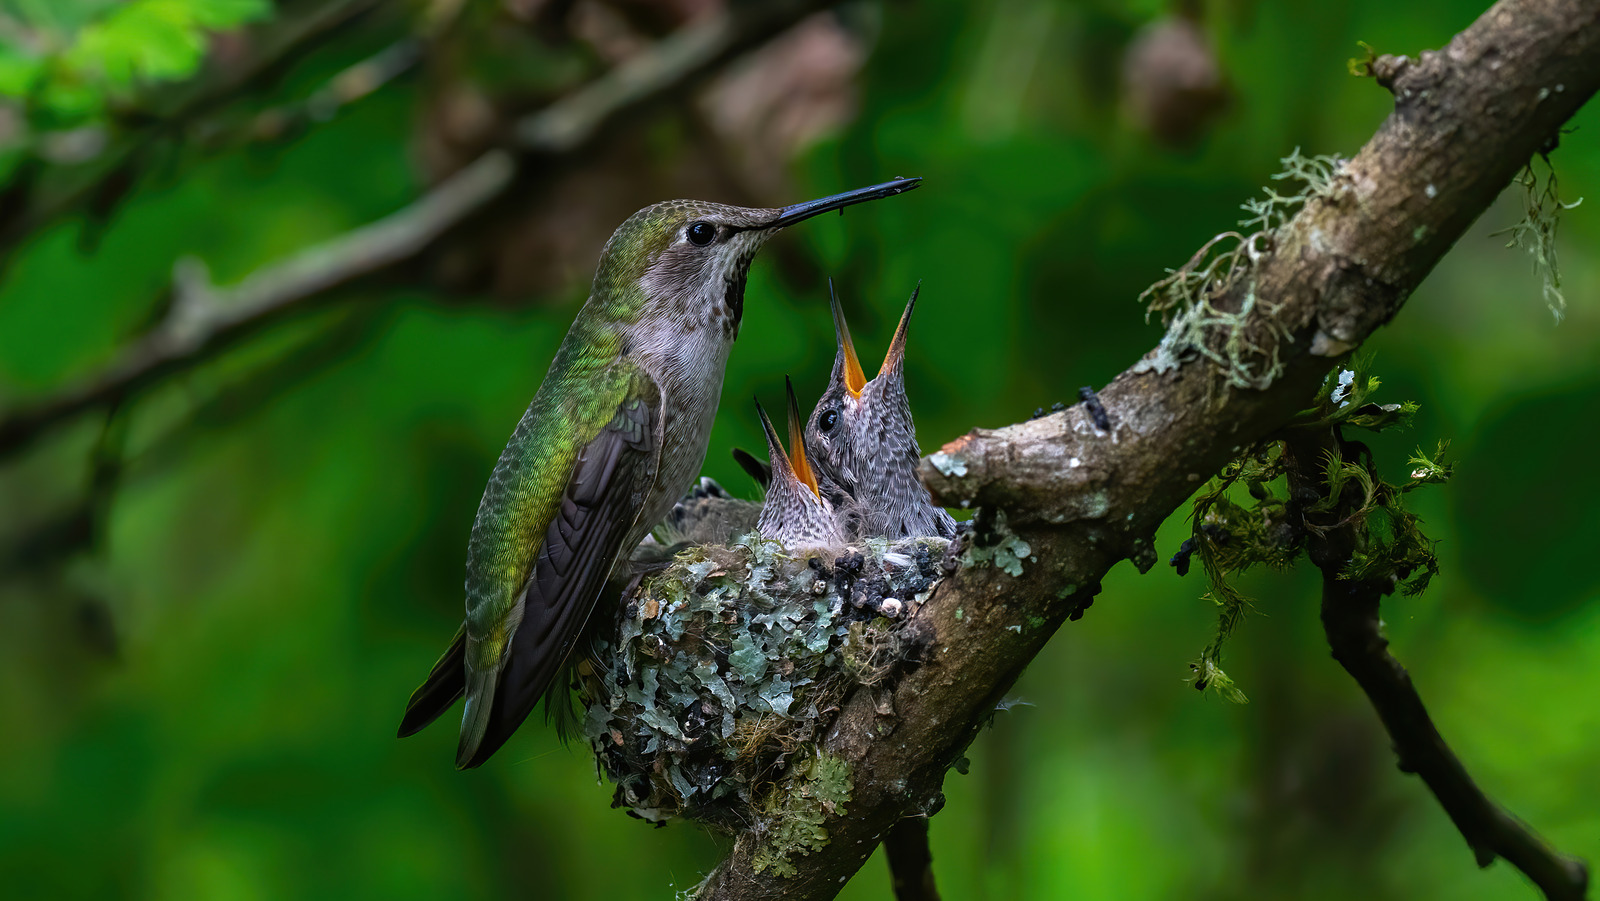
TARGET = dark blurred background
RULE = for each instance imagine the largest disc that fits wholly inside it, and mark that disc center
(216, 594)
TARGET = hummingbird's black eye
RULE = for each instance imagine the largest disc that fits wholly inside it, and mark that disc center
(828, 420)
(701, 233)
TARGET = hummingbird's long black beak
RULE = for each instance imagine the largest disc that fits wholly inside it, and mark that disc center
(789, 215)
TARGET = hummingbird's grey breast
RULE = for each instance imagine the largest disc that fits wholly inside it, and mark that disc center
(688, 368)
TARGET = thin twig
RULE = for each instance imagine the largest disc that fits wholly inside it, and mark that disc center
(570, 123)
(1351, 621)
(911, 860)
(355, 82)
(203, 317)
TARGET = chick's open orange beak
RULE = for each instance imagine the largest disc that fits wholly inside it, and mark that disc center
(896, 357)
(854, 378)
(797, 443)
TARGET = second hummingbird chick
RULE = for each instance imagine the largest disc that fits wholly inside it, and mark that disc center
(708, 514)
(865, 444)
(796, 513)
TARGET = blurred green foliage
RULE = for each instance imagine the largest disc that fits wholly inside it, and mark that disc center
(72, 60)
(203, 704)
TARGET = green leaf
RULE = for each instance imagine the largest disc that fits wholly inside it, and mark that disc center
(68, 77)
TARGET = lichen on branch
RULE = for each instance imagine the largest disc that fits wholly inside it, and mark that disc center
(1243, 344)
(1084, 497)
(1535, 232)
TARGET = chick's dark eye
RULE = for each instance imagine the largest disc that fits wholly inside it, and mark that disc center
(828, 420)
(701, 233)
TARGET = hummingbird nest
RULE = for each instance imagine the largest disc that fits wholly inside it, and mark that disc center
(725, 667)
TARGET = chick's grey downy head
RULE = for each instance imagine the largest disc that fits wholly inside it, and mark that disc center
(865, 442)
(795, 513)
(861, 426)
(832, 429)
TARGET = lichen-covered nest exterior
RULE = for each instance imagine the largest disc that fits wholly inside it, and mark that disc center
(725, 667)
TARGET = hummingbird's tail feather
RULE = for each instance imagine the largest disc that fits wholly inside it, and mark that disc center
(498, 702)
(561, 710)
(443, 687)
(475, 720)
(581, 678)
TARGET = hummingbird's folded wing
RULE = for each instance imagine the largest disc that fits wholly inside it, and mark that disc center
(600, 506)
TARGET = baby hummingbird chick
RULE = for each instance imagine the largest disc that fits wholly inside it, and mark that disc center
(864, 443)
(796, 514)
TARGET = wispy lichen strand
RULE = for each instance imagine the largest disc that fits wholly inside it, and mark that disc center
(1242, 344)
(1536, 232)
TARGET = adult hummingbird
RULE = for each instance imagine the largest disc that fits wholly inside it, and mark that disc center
(795, 512)
(864, 444)
(615, 434)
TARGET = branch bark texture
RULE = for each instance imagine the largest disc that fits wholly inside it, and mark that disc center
(1083, 497)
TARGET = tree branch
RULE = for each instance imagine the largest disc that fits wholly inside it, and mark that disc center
(1082, 497)
(569, 124)
(204, 318)
(911, 860)
(1350, 619)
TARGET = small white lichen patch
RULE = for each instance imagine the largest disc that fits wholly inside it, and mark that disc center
(1341, 391)
(949, 465)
